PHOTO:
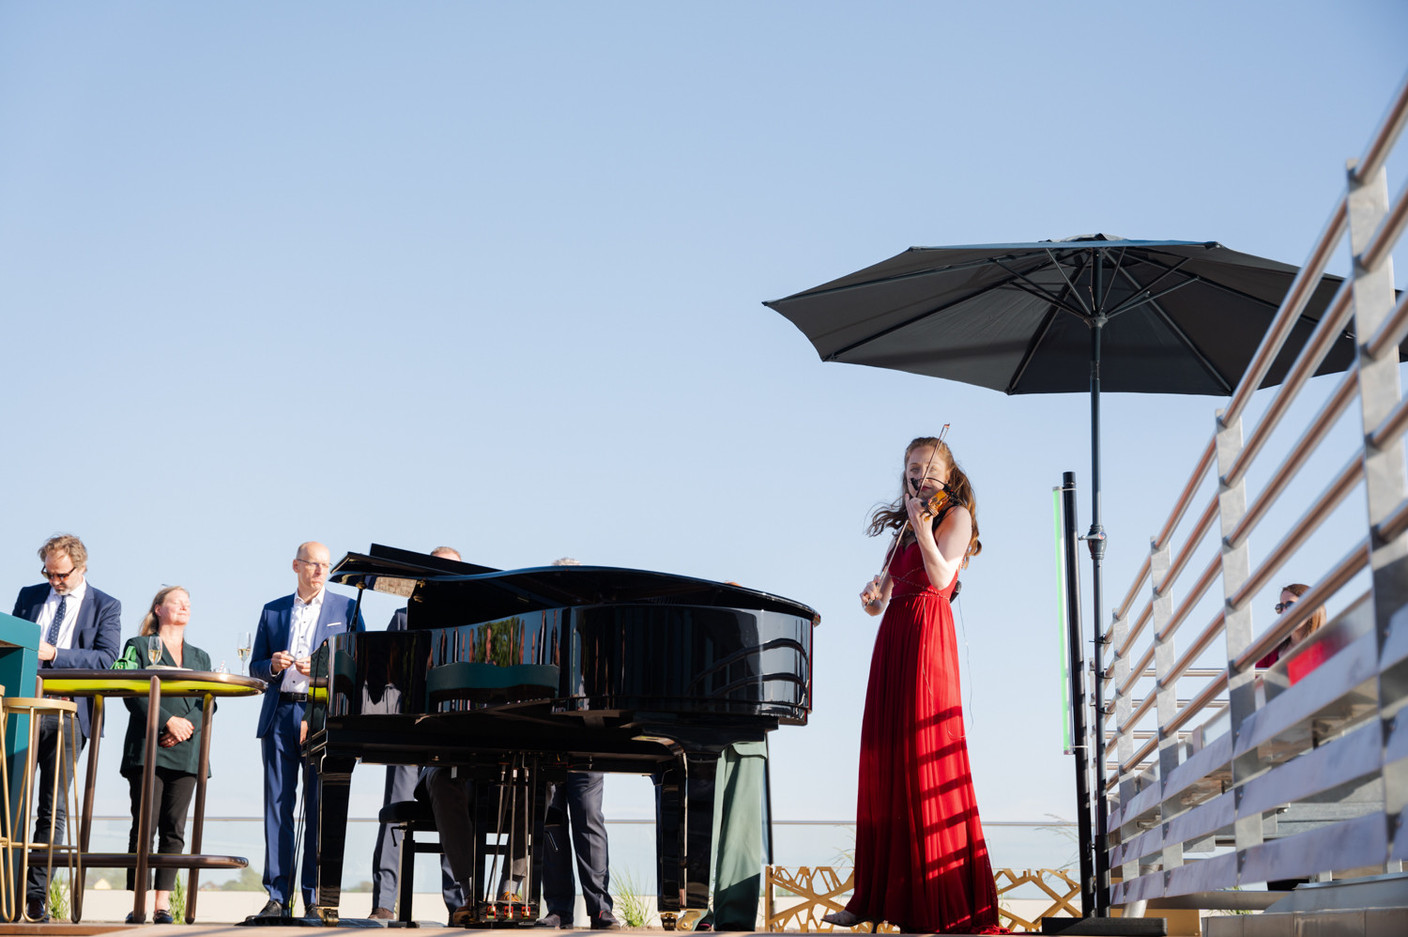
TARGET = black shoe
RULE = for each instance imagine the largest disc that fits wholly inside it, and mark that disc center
(605, 921)
(162, 916)
(272, 909)
(36, 910)
(552, 919)
(132, 920)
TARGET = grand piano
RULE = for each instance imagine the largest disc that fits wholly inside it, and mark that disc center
(519, 676)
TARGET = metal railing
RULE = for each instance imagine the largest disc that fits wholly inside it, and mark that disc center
(1220, 777)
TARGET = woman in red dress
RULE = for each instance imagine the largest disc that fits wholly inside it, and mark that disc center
(921, 861)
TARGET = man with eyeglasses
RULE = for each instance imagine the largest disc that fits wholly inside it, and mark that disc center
(78, 627)
(290, 630)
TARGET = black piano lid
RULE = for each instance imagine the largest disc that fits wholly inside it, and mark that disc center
(500, 593)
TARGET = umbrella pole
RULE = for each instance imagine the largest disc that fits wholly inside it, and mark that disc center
(1095, 540)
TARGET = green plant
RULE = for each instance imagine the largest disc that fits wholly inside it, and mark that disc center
(58, 896)
(178, 900)
(631, 907)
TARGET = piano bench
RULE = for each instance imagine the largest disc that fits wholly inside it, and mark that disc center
(411, 817)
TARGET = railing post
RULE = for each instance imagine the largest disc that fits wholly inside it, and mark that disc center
(1124, 747)
(1236, 569)
(1166, 694)
(1384, 475)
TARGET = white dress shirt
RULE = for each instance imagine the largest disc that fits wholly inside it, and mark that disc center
(70, 622)
(300, 639)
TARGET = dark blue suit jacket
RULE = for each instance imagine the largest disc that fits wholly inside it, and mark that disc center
(97, 635)
(273, 635)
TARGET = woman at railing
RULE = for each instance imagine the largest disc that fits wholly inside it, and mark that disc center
(921, 861)
(1308, 661)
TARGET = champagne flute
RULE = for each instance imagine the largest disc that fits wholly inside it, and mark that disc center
(153, 649)
(242, 651)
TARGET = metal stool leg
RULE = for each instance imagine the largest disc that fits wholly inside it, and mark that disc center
(66, 758)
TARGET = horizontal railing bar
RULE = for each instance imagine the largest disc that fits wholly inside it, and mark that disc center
(1195, 650)
(1136, 672)
(1309, 522)
(1135, 631)
(1139, 578)
(1393, 525)
(1198, 703)
(1376, 153)
(1314, 434)
(1329, 329)
(1194, 596)
(1181, 505)
(1196, 535)
(1384, 239)
(1135, 714)
(1147, 733)
(1345, 570)
(1392, 426)
(1393, 330)
(1144, 751)
(1302, 287)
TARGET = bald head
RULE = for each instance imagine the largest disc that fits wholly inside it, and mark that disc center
(447, 553)
(311, 563)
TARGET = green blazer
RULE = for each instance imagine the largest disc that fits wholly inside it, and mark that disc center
(184, 756)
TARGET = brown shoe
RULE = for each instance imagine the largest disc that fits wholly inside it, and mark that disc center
(381, 914)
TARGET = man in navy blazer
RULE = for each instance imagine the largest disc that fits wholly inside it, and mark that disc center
(290, 630)
(78, 627)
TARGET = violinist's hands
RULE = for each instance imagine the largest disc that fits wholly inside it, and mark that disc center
(871, 596)
(920, 513)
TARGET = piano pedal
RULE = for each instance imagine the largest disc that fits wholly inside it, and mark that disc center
(667, 920)
(689, 919)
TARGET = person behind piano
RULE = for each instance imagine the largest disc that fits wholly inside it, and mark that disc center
(178, 752)
(289, 630)
(401, 786)
(78, 627)
(575, 807)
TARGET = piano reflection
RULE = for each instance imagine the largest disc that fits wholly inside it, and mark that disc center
(519, 676)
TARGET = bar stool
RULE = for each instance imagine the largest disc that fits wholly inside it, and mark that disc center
(67, 749)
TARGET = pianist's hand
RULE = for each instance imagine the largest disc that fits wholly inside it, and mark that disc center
(179, 729)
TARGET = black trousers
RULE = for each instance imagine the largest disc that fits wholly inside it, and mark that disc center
(576, 808)
(171, 797)
(47, 809)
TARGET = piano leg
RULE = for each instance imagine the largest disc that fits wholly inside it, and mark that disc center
(334, 788)
(684, 832)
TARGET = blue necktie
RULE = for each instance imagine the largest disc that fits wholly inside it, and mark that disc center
(53, 636)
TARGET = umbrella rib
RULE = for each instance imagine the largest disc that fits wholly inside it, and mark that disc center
(876, 336)
(1181, 335)
(1020, 371)
(1041, 292)
(1142, 290)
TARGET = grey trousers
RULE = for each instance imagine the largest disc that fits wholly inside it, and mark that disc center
(386, 854)
(575, 807)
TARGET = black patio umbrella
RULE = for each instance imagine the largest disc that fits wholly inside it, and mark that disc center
(1087, 313)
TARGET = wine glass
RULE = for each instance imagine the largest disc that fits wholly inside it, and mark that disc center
(153, 649)
(242, 651)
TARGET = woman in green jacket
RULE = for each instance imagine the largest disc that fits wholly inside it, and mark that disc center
(178, 751)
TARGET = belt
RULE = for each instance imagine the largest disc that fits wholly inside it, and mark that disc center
(293, 697)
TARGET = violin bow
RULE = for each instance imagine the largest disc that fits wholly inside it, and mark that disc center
(899, 534)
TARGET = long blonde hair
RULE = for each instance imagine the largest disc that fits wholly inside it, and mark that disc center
(893, 516)
(151, 624)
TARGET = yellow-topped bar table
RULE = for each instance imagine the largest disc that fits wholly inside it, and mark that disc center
(152, 684)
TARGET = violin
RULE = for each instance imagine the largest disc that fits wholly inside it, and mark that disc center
(936, 501)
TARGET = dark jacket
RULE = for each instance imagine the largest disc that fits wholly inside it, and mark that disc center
(183, 756)
(96, 635)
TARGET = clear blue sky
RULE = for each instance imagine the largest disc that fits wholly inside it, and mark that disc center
(489, 275)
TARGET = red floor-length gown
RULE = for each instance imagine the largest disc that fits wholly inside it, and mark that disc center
(921, 860)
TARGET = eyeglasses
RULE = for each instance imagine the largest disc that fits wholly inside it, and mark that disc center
(1282, 606)
(315, 565)
(58, 577)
